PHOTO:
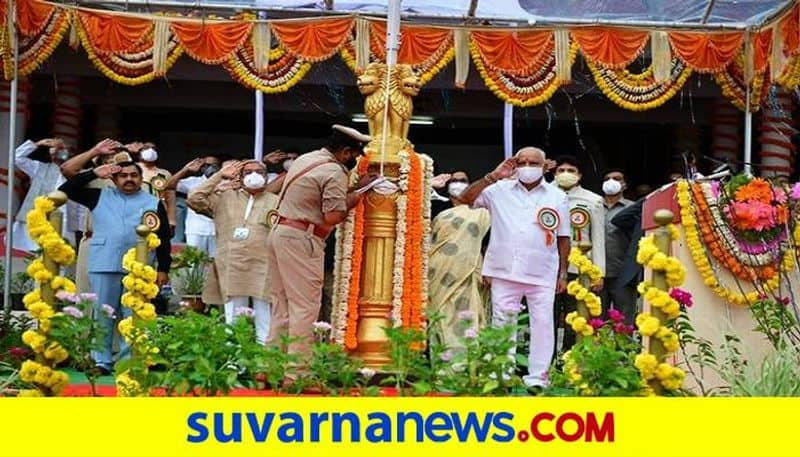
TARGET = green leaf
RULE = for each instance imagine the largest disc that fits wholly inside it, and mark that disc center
(490, 386)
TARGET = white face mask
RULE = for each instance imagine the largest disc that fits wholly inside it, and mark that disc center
(611, 187)
(287, 163)
(62, 154)
(456, 188)
(149, 155)
(254, 180)
(529, 175)
(567, 180)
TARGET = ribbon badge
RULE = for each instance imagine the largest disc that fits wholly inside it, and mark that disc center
(548, 219)
(151, 220)
(578, 218)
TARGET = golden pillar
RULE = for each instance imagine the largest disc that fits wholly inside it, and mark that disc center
(380, 209)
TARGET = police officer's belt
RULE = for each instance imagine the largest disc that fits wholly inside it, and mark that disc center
(319, 231)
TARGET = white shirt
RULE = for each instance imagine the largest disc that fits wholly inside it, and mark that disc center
(196, 224)
(594, 230)
(518, 249)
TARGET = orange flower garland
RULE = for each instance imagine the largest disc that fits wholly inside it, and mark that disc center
(412, 267)
(350, 337)
(717, 248)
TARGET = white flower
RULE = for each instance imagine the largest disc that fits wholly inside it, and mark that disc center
(471, 333)
(88, 296)
(66, 296)
(366, 372)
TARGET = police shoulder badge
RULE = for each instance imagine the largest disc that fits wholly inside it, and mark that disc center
(151, 220)
(158, 183)
(579, 217)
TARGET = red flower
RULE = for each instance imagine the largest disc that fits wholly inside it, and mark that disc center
(615, 315)
(684, 297)
(620, 327)
(596, 323)
(17, 352)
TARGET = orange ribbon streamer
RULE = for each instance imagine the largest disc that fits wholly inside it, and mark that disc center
(314, 40)
(611, 48)
(32, 16)
(790, 29)
(706, 53)
(513, 52)
(417, 45)
(111, 34)
(211, 43)
(762, 47)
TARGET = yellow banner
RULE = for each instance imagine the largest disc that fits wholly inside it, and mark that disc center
(403, 427)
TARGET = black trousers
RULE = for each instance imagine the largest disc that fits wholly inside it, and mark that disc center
(621, 297)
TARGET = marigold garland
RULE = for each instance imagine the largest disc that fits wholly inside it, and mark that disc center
(639, 92)
(41, 372)
(790, 77)
(425, 70)
(576, 289)
(731, 82)
(128, 68)
(413, 305)
(669, 377)
(702, 262)
(351, 334)
(140, 283)
(37, 48)
(283, 72)
(522, 91)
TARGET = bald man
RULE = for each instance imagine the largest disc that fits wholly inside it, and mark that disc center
(528, 249)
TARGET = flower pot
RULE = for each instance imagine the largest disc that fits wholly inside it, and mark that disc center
(193, 302)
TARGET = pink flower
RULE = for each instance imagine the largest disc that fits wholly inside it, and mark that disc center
(321, 327)
(615, 315)
(108, 310)
(446, 356)
(17, 352)
(596, 323)
(794, 194)
(471, 333)
(466, 315)
(72, 311)
(715, 188)
(243, 311)
(88, 296)
(779, 195)
(66, 296)
(620, 327)
(684, 297)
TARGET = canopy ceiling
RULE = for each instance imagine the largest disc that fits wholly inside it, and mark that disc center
(667, 13)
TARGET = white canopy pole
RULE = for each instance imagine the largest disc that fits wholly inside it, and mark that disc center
(508, 130)
(258, 143)
(12, 129)
(748, 135)
(258, 140)
(392, 48)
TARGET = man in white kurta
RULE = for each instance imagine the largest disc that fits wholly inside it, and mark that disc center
(528, 249)
(45, 177)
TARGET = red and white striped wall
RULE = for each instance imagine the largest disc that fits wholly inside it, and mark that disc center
(107, 123)
(726, 140)
(777, 129)
(67, 113)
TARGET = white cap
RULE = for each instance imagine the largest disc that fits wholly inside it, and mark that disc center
(352, 133)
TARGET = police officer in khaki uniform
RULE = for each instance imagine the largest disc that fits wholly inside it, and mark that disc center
(314, 198)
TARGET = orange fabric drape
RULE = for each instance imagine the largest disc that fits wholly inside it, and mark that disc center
(762, 47)
(513, 52)
(110, 33)
(314, 40)
(211, 43)
(32, 16)
(611, 48)
(790, 29)
(417, 45)
(706, 52)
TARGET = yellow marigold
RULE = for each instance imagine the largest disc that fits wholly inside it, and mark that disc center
(43, 375)
(125, 326)
(153, 241)
(44, 325)
(28, 370)
(646, 363)
(56, 353)
(127, 386)
(58, 381)
(675, 379)
(34, 340)
(32, 297)
(29, 393)
(41, 310)
(647, 324)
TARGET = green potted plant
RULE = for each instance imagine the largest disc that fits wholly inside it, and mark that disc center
(189, 274)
